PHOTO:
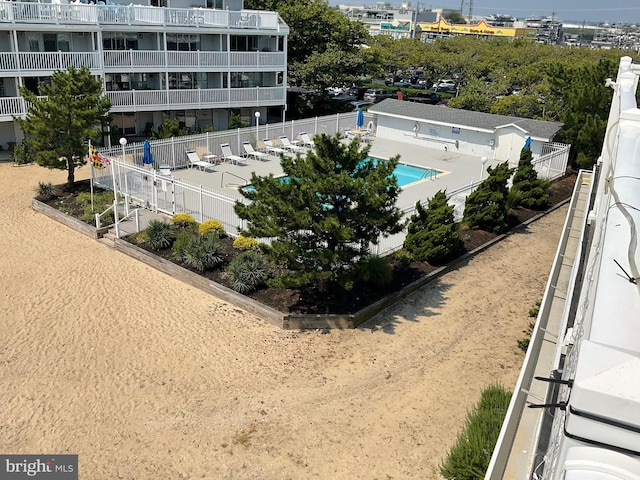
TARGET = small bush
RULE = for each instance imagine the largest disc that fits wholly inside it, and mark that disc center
(376, 271)
(45, 191)
(183, 220)
(403, 258)
(102, 200)
(181, 243)
(248, 270)
(469, 458)
(211, 226)
(533, 312)
(160, 234)
(203, 253)
(245, 243)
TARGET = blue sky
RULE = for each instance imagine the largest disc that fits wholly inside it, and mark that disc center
(627, 11)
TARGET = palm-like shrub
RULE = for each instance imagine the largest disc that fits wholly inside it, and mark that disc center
(376, 271)
(248, 270)
(432, 234)
(211, 226)
(181, 243)
(202, 253)
(245, 243)
(45, 191)
(160, 234)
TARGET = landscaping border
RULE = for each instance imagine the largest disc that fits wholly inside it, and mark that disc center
(286, 321)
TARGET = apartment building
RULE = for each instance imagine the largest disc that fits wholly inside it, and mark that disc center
(193, 60)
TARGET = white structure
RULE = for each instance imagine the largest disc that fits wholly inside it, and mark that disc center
(588, 423)
(497, 137)
(192, 60)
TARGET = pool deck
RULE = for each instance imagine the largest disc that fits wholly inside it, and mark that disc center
(458, 171)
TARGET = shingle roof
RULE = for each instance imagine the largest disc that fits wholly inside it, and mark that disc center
(462, 118)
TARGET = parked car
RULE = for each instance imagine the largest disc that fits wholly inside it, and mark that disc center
(430, 98)
(446, 83)
(362, 104)
(391, 79)
(376, 95)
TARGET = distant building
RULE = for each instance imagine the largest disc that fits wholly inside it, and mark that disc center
(395, 22)
(443, 29)
(549, 29)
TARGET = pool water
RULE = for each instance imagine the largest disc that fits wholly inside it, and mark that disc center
(406, 174)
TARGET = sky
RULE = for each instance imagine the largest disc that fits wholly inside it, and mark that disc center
(569, 11)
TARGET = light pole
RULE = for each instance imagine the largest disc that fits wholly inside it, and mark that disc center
(484, 161)
(123, 142)
(257, 115)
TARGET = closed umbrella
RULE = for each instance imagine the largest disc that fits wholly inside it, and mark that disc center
(527, 143)
(147, 158)
(360, 118)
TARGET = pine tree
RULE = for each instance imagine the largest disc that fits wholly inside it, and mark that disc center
(323, 218)
(529, 191)
(432, 234)
(486, 207)
(63, 116)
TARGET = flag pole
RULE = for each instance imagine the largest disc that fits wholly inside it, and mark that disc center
(91, 162)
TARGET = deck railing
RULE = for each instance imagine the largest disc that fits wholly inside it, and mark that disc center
(205, 18)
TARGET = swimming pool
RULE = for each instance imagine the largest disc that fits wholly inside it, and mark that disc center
(405, 173)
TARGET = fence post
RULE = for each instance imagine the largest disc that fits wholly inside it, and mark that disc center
(338, 124)
(315, 128)
(115, 216)
(173, 151)
(201, 206)
(97, 221)
(292, 122)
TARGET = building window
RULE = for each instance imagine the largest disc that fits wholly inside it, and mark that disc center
(243, 43)
(120, 41)
(217, 4)
(183, 43)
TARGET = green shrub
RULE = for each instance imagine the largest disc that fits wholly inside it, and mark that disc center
(211, 226)
(102, 200)
(160, 234)
(432, 233)
(45, 191)
(486, 207)
(469, 458)
(183, 220)
(532, 192)
(248, 270)
(403, 258)
(181, 243)
(23, 154)
(203, 253)
(245, 243)
(376, 271)
(533, 312)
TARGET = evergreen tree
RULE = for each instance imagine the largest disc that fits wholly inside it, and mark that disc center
(323, 218)
(528, 189)
(486, 207)
(235, 122)
(170, 127)
(432, 234)
(63, 116)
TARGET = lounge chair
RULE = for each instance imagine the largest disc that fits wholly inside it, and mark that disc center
(287, 145)
(271, 148)
(249, 151)
(227, 155)
(306, 141)
(194, 160)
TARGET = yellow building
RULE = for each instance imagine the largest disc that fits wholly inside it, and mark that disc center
(443, 29)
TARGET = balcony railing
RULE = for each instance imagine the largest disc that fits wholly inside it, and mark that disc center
(149, 100)
(145, 100)
(209, 60)
(28, 12)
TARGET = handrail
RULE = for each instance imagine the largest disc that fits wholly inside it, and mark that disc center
(246, 182)
(99, 215)
(136, 214)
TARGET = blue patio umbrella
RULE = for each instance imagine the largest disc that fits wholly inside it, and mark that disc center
(527, 143)
(360, 118)
(147, 158)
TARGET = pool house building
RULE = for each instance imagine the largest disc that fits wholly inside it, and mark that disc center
(197, 61)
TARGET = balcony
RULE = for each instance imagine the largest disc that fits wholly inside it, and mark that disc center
(206, 60)
(151, 100)
(138, 15)
(48, 61)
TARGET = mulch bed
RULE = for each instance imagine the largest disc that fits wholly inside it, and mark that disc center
(310, 300)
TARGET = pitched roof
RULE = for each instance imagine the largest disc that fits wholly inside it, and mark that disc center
(464, 118)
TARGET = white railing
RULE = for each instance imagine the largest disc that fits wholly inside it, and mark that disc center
(12, 61)
(31, 12)
(553, 161)
(10, 106)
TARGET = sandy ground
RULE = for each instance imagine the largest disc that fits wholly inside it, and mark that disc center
(147, 378)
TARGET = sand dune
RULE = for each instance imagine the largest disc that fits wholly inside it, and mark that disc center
(147, 378)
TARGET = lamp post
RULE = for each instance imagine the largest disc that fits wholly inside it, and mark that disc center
(484, 161)
(123, 142)
(257, 115)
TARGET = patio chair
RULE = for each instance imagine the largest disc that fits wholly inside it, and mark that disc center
(249, 151)
(287, 145)
(306, 141)
(227, 155)
(194, 160)
(271, 148)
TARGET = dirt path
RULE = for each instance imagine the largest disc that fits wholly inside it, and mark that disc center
(147, 378)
